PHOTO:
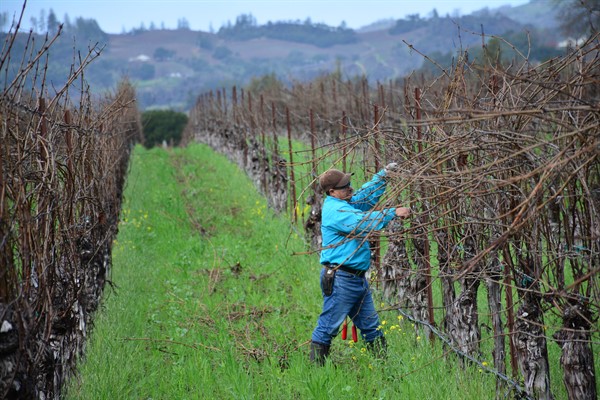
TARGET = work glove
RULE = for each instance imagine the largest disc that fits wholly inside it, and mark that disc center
(391, 167)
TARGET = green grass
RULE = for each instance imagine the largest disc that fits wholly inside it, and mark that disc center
(209, 302)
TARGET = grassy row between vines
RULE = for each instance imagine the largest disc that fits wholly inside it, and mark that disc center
(208, 302)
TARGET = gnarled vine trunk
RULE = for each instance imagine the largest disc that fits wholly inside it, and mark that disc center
(464, 323)
(418, 284)
(446, 275)
(395, 268)
(312, 226)
(577, 359)
(493, 279)
(530, 344)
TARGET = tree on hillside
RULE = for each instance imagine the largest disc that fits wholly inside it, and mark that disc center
(245, 20)
(580, 18)
(42, 21)
(221, 53)
(3, 20)
(320, 35)
(88, 30)
(492, 52)
(413, 21)
(163, 126)
(34, 23)
(183, 23)
(206, 42)
(162, 54)
(67, 22)
(142, 71)
(52, 23)
(265, 84)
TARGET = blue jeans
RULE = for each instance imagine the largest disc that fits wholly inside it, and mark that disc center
(351, 297)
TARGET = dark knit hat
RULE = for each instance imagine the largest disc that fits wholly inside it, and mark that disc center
(332, 179)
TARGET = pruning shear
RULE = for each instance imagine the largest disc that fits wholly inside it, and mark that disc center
(345, 331)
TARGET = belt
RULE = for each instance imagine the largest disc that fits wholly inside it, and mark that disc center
(349, 270)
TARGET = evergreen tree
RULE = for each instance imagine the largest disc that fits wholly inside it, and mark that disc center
(34, 24)
(52, 23)
(580, 18)
(88, 30)
(163, 126)
(42, 21)
(3, 20)
(67, 26)
(183, 23)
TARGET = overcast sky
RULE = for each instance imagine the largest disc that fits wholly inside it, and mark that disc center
(116, 16)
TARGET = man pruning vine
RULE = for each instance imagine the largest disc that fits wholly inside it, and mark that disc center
(347, 220)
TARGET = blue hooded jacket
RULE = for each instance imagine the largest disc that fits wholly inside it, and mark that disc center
(346, 224)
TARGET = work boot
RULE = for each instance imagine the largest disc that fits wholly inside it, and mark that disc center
(378, 347)
(318, 353)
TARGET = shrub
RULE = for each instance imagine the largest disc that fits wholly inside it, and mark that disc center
(163, 126)
(162, 54)
(221, 53)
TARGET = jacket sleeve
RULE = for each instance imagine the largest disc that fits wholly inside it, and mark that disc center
(368, 195)
(354, 223)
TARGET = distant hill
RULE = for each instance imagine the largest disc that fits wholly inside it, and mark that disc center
(378, 25)
(542, 14)
(170, 68)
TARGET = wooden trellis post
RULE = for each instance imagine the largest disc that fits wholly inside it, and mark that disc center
(294, 202)
(425, 222)
(344, 137)
(376, 241)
